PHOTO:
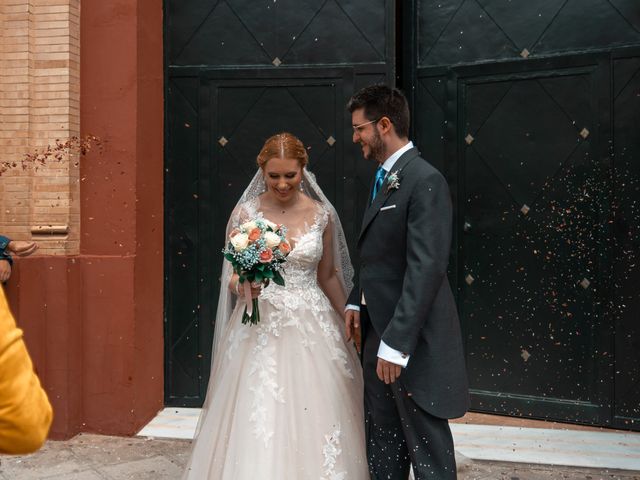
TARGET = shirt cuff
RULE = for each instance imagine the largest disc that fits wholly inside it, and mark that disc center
(387, 353)
(352, 307)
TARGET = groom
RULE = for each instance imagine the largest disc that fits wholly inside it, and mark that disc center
(413, 362)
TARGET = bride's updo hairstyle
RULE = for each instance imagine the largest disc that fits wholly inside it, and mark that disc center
(283, 145)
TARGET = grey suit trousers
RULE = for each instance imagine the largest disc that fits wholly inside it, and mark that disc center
(399, 432)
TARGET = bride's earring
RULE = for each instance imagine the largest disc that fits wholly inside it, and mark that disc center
(301, 185)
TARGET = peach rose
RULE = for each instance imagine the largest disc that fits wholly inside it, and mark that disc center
(254, 234)
(266, 256)
(285, 248)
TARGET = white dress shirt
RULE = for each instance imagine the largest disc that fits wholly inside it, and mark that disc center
(385, 352)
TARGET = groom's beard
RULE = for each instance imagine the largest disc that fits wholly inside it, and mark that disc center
(376, 149)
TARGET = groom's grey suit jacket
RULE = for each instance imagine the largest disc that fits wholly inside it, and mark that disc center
(404, 249)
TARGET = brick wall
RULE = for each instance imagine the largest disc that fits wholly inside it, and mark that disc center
(39, 103)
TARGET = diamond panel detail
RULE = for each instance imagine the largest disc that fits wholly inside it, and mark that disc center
(541, 137)
(223, 141)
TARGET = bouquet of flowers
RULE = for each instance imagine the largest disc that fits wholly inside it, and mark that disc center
(257, 250)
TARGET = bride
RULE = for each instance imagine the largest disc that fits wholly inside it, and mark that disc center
(285, 396)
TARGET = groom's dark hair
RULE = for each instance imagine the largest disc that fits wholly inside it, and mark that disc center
(383, 101)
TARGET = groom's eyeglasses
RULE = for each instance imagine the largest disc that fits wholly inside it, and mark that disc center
(358, 128)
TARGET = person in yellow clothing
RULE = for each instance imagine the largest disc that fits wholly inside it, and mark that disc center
(25, 411)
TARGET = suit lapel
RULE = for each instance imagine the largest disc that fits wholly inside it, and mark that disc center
(384, 193)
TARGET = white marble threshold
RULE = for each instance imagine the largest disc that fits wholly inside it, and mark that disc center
(579, 448)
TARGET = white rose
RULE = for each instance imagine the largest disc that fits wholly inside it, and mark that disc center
(271, 239)
(270, 224)
(240, 241)
(248, 226)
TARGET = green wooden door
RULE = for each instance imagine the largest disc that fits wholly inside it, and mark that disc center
(236, 73)
(531, 109)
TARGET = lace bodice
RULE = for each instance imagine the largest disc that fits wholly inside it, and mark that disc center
(301, 290)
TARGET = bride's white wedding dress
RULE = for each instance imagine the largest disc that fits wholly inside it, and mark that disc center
(286, 400)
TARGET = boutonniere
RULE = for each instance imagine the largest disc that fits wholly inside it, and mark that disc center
(393, 181)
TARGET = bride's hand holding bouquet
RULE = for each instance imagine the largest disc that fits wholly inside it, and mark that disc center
(257, 250)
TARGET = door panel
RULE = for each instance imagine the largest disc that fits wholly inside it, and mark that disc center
(272, 105)
(182, 260)
(237, 111)
(286, 32)
(467, 31)
(534, 220)
(625, 303)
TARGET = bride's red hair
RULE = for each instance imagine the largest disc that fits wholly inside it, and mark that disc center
(283, 145)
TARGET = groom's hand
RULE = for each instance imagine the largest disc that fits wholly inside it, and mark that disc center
(388, 372)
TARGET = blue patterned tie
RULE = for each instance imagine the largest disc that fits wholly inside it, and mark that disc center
(380, 174)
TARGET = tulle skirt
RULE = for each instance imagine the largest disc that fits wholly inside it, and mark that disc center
(285, 401)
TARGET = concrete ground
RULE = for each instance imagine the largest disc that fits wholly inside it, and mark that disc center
(96, 457)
